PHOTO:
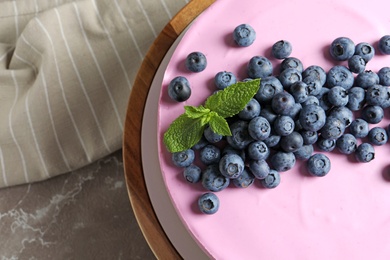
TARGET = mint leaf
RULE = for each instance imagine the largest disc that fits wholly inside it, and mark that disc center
(219, 125)
(183, 133)
(232, 99)
(196, 112)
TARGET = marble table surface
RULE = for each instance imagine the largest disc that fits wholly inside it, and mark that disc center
(85, 214)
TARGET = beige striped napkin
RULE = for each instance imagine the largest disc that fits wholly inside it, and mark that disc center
(66, 72)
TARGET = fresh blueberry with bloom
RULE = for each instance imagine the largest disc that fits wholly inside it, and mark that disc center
(269, 87)
(372, 114)
(273, 140)
(251, 110)
(304, 152)
(340, 75)
(318, 165)
(342, 113)
(201, 143)
(259, 128)
(384, 44)
(314, 85)
(213, 180)
(356, 98)
(283, 161)
(291, 142)
(359, 128)
(309, 137)
(312, 117)
(208, 203)
(259, 168)
(356, 64)
(283, 125)
(192, 173)
(196, 61)
(258, 150)
(179, 89)
(209, 154)
(384, 76)
(365, 153)
(325, 145)
(376, 95)
(289, 76)
(231, 166)
(291, 63)
(299, 90)
(259, 67)
(240, 137)
(211, 136)
(245, 180)
(184, 158)
(311, 100)
(377, 136)
(244, 35)
(366, 79)
(272, 180)
(224, 79)
(342, 48)
(268, 114)
(346, 144)
(338, 96)
(365, 50)
(315, 71)
(281, 49)
(333, 128)
(283, 103)
(295, 110)
(228, 149)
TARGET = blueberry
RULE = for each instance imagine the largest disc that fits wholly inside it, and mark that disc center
(228, 149)
(259, 67)
(376, 95)
(314, 85)
(211, 136)
(323, 99)
(346, 144)
(326, 145)
(240, 137)
(272, 180)
(231, 166)
(315, 71)
(311, 100)
(268, 114)
(384, 44)
(283, 125)
(179, 89)
(384, 76)
(312, 117)
(340, 76)
(213, 180)
(309, 137)
(342, 113)
(259, 128)
(372, 114)
(283, 103)
(356, 98)
(356, 64)
(245, 180)
(209, 154)
(365, 50)
(208, 203)
(273, 140)
(288, 77)
(366, 79)
(259, 168)
(342, 48)
(291, 63)
(365, 152)
(377, 136)
(338, 96)
(184, 158)
(318, 165)
(202, 143)
(304, 152)
(269, 87)
(299, 90)
(192, 173)
(359, 128)
(258, 150)
(244, 35)
(196, 62)
(281, 49)
(291, 142)
(251, 110)
(333, 128)
(295, 110)
(283, 161)
(223, 79)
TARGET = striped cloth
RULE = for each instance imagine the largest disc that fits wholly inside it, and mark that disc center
(66, 72)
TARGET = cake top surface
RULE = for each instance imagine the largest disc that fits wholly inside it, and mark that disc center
(343, 214)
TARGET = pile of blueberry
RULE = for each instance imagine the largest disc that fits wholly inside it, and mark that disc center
(294, 113)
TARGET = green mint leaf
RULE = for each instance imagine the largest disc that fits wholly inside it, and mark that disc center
(183, 133)
(219, 125)
(233, 99)
(196, 112)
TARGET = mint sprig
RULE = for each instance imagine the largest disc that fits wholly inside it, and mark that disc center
(186, 130)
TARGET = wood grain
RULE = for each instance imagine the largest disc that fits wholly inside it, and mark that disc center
(139, 198)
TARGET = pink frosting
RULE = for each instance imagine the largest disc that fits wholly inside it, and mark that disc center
(344, 215)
